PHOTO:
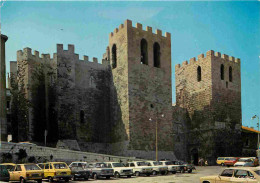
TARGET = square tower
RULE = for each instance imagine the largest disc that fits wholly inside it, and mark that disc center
(141, 75)
(210, 89)
(214, 82)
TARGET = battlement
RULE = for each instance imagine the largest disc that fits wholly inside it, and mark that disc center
(71, 51)
(26, 54)
(209, 54)
(128, 24)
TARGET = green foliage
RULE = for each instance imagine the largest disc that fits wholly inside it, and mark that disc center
(43, 103)
(31, 159)
(19, 111)
(7, 157)
(22, 154)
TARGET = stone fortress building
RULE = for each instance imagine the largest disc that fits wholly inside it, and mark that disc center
(113, 106)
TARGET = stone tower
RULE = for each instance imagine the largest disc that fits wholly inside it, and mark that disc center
(210, 89)
(141, 75)
(3, 122)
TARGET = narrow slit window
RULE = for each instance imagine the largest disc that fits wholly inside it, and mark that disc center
(230, 74)
(144, 53)
(156, 55)
(82, 116)
(222, 72)
(199, 74)
(114, 57)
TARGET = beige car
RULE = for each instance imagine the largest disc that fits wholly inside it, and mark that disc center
(236, 174)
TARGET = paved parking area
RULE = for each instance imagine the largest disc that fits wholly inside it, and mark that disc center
(175, 178)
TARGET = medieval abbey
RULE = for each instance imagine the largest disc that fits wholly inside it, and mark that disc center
(116, 106)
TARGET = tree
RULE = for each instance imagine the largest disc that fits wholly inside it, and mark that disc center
(19, 111)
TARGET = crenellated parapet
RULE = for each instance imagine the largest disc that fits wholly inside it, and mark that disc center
(71, 52)
(26, 55)
(138, 26)
(210, 54)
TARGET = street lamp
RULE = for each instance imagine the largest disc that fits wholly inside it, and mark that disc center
(255, 116)
(156, 135)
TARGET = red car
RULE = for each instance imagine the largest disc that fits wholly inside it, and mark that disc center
(230, 161)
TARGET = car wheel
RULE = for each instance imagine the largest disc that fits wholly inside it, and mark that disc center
(86, 178)
(222, 164)
(50, 179)
(205, 182)
(39, 181)
(154, 172)
(128, 176)
(174, 172)
(22, 180)
(74, 178)
(117, 175)
(95, 177)
(166, 172)
(107, 177)
(190, 170)
(67, 180)
(137, 174)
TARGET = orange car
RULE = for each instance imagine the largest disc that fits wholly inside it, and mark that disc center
(230, 161)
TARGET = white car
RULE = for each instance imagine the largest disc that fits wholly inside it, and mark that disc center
(140, 168)
(158, 167)
(120, 169)
(171, 167)
(78, 164)
(249, 162)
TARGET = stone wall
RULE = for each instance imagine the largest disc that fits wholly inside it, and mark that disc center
(3, 120)
(44, 154)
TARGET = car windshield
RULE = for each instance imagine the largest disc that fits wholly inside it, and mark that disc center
(32, 167)
(258, 172)
(243, 160)
(118, 165)
(60, 166)
(141, 164)
(232, 159)
(101, 165)
(169, 163)
(157, 163)
(9, 167)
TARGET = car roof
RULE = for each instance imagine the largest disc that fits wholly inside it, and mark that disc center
(245, 168)
(79, 162)
(7, 164)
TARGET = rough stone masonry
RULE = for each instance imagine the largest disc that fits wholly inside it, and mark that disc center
(115, 104)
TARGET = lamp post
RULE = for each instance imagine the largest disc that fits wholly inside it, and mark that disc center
(156, 135)
(255, 116)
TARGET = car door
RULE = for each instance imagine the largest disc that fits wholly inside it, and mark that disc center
(225, 176)
(17, 173)
(12, 173)
(241, 176)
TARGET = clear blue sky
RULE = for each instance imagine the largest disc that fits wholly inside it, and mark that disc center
(232, 28)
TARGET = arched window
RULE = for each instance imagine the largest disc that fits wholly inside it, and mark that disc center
(199, 73)
(230, 74)
(114, 57)
(222, 72)
(82, 116)
(144, 53)
(156, 55)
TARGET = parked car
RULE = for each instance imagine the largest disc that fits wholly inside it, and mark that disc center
(78, 172)
(221, 160)
(120, 169)
(140, 168)
(249, 162)
(4, 174)
(231, 161)
(100, 170)
(158, 167)
(56, 171)
(8, 166)
(234, 174)
(184, 166)
(79, 163)
(171, 167)
(25, 172)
